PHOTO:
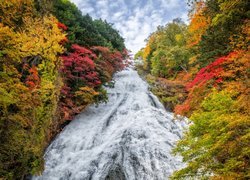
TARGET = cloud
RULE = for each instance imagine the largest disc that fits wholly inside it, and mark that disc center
(134, 19)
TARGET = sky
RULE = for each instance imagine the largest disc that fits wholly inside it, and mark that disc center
(135, 19)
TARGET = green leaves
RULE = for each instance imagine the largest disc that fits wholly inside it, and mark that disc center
(165, 54)
(85, 31)
(217, 139)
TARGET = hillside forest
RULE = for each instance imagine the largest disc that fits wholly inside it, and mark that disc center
(201, 71)
(54, 62)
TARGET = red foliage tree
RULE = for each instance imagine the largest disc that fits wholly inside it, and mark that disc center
(212, 71)
(79, 69)
(209, 76)
(110, 61)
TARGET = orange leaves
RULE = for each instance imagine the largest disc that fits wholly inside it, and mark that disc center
(240, 42)
(237, 66)
(182, 109)
(198, 25)
(33, 79)
(146, 51)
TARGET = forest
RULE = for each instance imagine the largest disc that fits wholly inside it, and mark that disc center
(54, 62)
(201, 71)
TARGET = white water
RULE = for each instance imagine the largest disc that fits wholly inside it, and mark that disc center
(130, 137)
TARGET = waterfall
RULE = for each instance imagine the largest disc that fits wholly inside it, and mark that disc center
(130, 137)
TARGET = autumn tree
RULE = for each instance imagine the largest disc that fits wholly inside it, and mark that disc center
(210, 58)
(217, 143)
(165, 53)
(29, 86)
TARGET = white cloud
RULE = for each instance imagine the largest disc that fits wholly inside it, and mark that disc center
(134, 19)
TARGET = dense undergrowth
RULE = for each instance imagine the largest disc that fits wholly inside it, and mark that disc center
(53, 63)
(210, 60)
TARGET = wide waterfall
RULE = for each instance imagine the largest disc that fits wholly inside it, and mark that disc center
(130, 137)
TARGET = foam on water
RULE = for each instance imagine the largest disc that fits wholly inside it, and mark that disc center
(130, 137)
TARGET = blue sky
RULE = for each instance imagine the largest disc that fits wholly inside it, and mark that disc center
(134, 19)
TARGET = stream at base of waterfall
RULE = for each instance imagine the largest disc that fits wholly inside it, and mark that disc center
(131, 137)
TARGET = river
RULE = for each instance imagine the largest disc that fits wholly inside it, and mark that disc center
(129, 138)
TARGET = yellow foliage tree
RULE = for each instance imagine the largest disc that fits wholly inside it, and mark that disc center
(39, 37)
(147, 51)
(29, 49)
(13, 11)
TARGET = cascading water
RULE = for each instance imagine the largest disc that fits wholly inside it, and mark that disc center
(130, 137)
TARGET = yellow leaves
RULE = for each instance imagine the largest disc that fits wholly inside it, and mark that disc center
(6, 38)
(85, 95)
(146, 51)
(178, 37)
(12, 11)
(222, 131)
(6, 97)
(242, 92)
(29, 49)
(139, 54)
(39, 37)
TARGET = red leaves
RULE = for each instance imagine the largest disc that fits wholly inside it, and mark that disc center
(100, 49)
(212, 75)
(79, 68)
(219, 80)
(78, 71)
(125, 52)
(212, 71)
(83, 69)
(115, 59)
(65, 90)
(81, 50)
(62, 26)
